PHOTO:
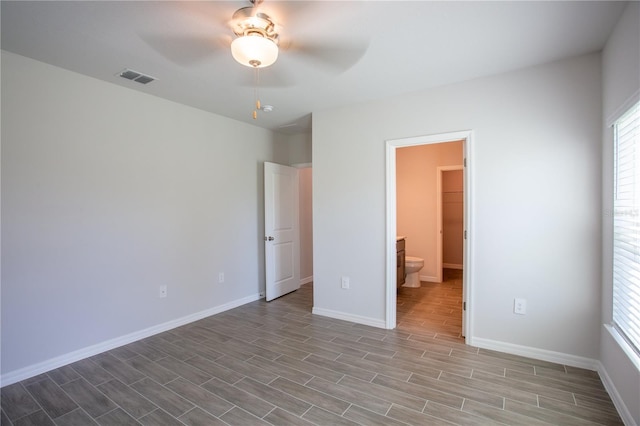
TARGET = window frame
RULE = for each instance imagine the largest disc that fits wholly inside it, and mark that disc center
(625, 319)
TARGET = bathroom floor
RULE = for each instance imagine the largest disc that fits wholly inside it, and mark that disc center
(433, 307)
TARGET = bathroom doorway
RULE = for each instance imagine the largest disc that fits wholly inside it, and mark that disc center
(434, 262)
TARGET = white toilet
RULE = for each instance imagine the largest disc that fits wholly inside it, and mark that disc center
(412, 266)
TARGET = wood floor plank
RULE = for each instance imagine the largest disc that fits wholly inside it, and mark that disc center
(91, 371)
(423, 387)
(17, 402)
(412, 417)
(117, 417)
(51, 398)
(200, 397)
(127, 398)
(152, 369)
(282, 418)
(384, 393)
(491, 388)
(273, 394)
(163, 397)
(240, 417)
(64, 374)
(118, 368)
(318, 416)
(94, 402)
(39, 418)
(199, 417)
(311, 396)
(77, 417)
(365, 364)
(366, 417)
(455, 416)
(280, 370)
(545, 415)
(347, 394)
(251, 403)
(214, 369)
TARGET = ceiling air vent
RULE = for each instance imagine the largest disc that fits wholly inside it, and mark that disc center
(136, 76)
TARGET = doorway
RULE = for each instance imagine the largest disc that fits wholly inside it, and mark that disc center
(391, 227)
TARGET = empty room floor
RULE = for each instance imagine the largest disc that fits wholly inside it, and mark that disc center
(276, 363)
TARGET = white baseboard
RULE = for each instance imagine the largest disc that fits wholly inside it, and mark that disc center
(536, 353)
(624, 412)
(429, 279)
(59, 361)
(307, 280)
(452, 266)
(349, 317)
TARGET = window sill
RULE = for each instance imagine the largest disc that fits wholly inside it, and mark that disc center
(628, 350)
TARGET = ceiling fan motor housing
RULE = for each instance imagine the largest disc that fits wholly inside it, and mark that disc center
(256, 45)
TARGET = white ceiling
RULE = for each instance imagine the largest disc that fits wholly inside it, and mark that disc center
(339, 52)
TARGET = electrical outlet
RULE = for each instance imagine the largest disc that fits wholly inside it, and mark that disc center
(519, 306)
(345, 282)
(221, 277)
(162, 291)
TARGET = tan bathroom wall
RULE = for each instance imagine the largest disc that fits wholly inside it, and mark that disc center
(416, 175)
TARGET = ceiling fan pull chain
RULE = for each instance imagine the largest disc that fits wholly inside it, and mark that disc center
(256, 80)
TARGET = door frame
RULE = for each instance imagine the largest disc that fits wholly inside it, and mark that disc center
(466, 136)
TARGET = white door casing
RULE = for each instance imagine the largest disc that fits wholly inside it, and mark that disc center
(282, 266)
(467, 287)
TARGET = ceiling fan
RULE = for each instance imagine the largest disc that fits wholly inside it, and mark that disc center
(256, 37)
(296, 31)
(256, 42)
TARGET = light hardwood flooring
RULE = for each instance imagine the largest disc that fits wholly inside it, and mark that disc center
(276, 363)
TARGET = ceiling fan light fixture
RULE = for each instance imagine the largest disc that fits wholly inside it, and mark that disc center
(254, 50)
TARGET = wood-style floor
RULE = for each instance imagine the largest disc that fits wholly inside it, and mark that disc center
(276, 363)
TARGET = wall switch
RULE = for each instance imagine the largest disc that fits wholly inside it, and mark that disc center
(345, 282)
(162, 292)
(221, 277)
(519, 306)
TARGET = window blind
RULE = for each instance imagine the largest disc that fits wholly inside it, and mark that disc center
(626, 227)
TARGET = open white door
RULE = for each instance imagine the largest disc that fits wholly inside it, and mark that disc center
(282, 266)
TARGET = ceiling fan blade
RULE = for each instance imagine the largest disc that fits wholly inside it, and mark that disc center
(336, 57)
(187, 50)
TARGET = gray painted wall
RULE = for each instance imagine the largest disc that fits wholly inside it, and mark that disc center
(536, 202)
(107, 194)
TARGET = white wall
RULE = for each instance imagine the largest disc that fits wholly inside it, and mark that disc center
(621, 88)
(536, 202)
(108, 193)
(294, 148)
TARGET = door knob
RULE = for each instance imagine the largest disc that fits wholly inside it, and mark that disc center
(269, 238)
